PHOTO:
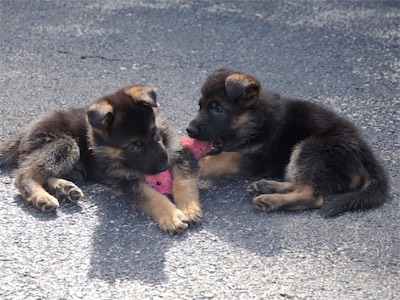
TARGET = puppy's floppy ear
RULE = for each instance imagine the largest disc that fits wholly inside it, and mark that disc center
(243, 88)
(143, 94)
(100, 116)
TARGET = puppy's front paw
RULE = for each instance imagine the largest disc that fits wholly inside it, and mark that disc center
(44, 201)
(263, 203)
(174, 222)
(193, 212)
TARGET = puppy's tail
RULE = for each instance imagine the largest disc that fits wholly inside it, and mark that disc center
(372, 194)
(9, 151)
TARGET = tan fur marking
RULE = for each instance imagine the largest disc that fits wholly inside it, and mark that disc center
(101, 132)
(186, 196)
(141, 94)
(137, 91)
(241, 121)
(316, 203)
(160, 209)
(225, 163)
(249, 103)
(360, 180)
(243, 80)
(238, 77)
(292, 171)
(102, 107)
(242, 125)
(112, 152)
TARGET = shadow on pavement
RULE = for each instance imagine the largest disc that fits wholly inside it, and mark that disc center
(126, 245)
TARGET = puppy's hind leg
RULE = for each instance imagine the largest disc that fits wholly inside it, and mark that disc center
(41, 167)
(29, 183)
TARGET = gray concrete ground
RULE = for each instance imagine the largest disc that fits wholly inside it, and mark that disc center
(343, 54)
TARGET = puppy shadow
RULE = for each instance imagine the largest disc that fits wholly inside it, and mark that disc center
(34, 212)
(230, 215)
(65, 208)
(126, 244)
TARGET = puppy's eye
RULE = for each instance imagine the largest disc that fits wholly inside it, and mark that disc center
(135, 147)
(214, 106)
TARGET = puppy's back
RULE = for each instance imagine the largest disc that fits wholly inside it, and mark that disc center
(70, 122)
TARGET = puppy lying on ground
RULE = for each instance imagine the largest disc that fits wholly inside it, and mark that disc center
(117, 140)
(259, 133)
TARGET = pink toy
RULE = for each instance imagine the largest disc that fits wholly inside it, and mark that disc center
(162, 182)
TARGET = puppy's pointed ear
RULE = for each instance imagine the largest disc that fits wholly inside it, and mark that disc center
(242, 88)
(143, 94)
(100, 116)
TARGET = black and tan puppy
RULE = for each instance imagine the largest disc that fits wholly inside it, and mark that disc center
(116, 140)
(258, 133)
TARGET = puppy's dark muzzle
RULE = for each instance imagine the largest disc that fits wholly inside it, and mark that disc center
(152, 170)
(196, 131)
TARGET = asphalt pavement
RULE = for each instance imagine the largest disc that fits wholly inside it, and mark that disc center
(342, 54)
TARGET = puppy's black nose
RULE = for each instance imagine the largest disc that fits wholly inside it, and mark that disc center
(192, 130)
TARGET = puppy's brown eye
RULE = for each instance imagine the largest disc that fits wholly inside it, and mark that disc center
(214, 106)
(135, 147)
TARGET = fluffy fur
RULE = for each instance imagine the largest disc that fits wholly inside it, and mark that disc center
(312, 151)
(116, 140)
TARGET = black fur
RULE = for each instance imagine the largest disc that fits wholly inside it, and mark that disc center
(116, 140)
(331, 157)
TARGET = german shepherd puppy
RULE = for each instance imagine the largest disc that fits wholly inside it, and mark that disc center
(116, 140)
(316, 152)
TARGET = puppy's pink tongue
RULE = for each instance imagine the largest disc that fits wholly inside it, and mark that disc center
(199, 148)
